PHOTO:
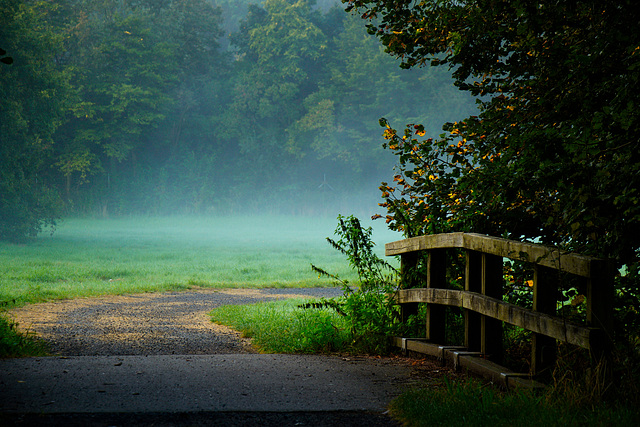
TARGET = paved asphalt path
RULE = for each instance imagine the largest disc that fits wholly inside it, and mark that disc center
(199, 389)
(237, 383)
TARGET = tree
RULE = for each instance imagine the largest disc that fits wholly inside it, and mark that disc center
(34, 91)
(180, 155)
(123, 72)
(553, 154)
(341, 117)
(142, 73)
(279, 51)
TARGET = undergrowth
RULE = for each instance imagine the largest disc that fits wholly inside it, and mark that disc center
(14, 343)
(360, 321)
(472, 403)
(367, 305)
(285, 327)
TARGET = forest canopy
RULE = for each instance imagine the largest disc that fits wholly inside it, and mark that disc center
(553, 153)
(200, 106)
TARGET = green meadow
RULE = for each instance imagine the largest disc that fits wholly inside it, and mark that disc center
(89, 257)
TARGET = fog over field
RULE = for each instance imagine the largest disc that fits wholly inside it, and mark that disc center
(203, 107)
(95, 256)
(198, 143)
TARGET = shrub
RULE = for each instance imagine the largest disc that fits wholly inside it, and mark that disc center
(371, 313)
(14, 343)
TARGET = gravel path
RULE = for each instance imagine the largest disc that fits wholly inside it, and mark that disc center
(147, 324)
(162, 351)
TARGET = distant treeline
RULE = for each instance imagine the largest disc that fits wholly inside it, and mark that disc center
(194, 106)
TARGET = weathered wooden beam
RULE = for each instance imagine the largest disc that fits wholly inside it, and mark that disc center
(457, 356)
(472, 283)
(545, 300)
(422, 243)
(490, 327)
(539, 254)
(436, 278)
(528, 319)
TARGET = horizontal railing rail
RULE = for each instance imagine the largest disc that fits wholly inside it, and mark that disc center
(540, 323)
(547, 256)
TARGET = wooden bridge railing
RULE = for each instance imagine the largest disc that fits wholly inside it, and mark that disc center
(481, 299)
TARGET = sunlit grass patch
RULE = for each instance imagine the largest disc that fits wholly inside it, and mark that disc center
(285, 327)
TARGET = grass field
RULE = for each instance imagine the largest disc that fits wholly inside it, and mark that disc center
(285, 327)
(86, 257)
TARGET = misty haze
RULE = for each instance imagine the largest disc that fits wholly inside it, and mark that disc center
(220, 107)
(195, 197)
(201, 143)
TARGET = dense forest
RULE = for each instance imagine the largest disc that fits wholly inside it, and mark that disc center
(115, 107)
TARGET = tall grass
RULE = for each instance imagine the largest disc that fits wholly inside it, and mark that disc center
(474, 404)
(87, 257)
(14, 343)
(285, 327)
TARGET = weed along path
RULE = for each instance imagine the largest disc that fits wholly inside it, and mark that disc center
(157, 359)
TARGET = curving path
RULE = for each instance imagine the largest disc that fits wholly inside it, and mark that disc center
(156, 359)
(147, 324)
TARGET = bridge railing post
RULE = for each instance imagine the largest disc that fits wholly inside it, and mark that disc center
(472, 283)
(545, 300)
(436, 278)
(599, 308)
(491, 327)
(408, 265)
